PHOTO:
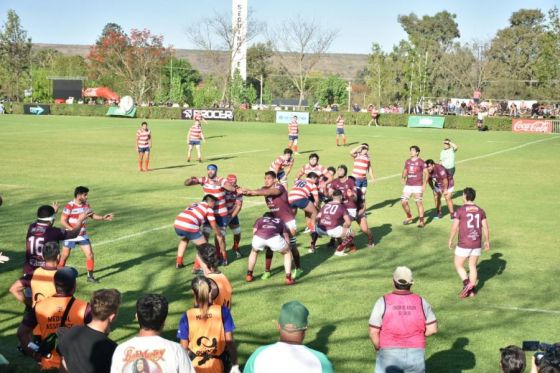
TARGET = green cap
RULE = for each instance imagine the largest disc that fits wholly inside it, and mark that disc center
(293, 316)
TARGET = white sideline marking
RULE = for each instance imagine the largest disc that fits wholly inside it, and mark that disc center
(482, 156)
(521, 309)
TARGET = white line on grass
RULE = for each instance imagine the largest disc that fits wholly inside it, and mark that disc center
(521, 309)
(481, 156)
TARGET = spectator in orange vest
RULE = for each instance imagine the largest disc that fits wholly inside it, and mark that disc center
(221, 287)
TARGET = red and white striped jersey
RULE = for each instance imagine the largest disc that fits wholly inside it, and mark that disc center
(361, 166)
(72, 211)
(195, 132)
(193, 217)
(215, 187)
(340, 123)
(280, 163)
(318, 169)
(293, 128)
(143, 138)
(233, 199)
(303, 189)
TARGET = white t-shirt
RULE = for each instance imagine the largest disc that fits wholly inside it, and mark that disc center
(161, 356)
(283, 357)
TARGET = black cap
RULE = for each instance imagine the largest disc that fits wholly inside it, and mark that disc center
(65, 276)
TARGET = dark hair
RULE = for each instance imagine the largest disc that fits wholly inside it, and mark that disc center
(415, 148)
(209, 197)
(352, 177)
(344, 168)
(270, 173)
(365, 144)
(104, 303)
(331, 169)
(513, 359)
(548, 369)
(144, 122)
(268, 214)
(430, 162)
(312, 175)
(400, 286)
(151, 311)
(45, 211)
(51, 251)
(470, 194)
(288, 151)
(337, 193)
(314, 155)
(80, 190)
(209, 255)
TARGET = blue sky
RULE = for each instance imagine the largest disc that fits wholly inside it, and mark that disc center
(359, 22)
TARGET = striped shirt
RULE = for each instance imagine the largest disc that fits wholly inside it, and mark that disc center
(193, 217)
(318, 169)
(71, 213)
(143, 138)
(280, 163)
(340, 123)
(361, 166)
(233, 199)
(215, 187)
(195, 133)
(303, 189)
(293, 128)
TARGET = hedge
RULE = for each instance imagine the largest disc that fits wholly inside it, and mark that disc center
(268, 116)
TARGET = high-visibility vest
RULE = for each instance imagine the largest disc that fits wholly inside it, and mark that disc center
(207, 339)
(42, 284)
(224, 288)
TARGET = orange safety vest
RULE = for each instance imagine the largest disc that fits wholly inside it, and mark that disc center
(207, 339)
(42, 284)
(225, 290)
(49, 313)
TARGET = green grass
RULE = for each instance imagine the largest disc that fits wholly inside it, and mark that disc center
(44, 158)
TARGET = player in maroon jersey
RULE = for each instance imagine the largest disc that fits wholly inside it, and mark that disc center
(414, 179)
(442, 183)
(270, 233)
(276, 199)
(470, 222)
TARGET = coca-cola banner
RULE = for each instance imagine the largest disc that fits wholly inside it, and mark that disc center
(531, 126)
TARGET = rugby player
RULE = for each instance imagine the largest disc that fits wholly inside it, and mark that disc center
(305, 195)
(442, 183)
(362, 166)
(340, 130)
(143, 145)
(471, 224)
(282, 165)
(195, 136)
(314, 166)
(70, 219)
(234, 204)
(270, 232)
(414, 178)
(374, 116)
(293, 134)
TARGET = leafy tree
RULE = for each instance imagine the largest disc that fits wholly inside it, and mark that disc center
(206, 94)
(241, 92)
(331, 90)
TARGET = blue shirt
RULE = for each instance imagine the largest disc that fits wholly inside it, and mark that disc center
(183, 331)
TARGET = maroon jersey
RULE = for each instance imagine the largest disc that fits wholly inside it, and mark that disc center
(347, 187)
(266, 227)
(470, 226)
(38, 235)
(439, 174)
(332, 215)
(414, 171)
(279, 205)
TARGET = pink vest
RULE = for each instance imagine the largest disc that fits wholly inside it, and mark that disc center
(404, 323)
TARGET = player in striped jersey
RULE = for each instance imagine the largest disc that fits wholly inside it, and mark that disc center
(188, 226)
(282, 165)
(362, 166)
(374, 116)
(305, 195)
(71, 217)
(313, 166)
(195, 136)
(293, 134)
(143, 145)
(340, 130)
(216, 186)
(234, 204)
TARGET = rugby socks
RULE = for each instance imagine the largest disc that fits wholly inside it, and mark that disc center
(295, 148)
(268, 260)
(337, 142)
(344, 141)
(314, 237)
(140, 165)
(147, 165)
(179, 261)
(295, 252)
(236, 239)
(89, 265)
(196, 266)
(348, 241)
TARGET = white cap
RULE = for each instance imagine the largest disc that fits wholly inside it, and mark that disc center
(403, 276)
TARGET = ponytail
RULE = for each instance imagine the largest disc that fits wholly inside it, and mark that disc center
(200, 286)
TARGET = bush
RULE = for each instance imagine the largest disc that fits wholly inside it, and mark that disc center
(157, 112)
(265, 116)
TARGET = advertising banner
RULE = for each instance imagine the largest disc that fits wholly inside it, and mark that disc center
(531, 126)
(35, 109)
(208, 114)
(425, 122)
(285, 117)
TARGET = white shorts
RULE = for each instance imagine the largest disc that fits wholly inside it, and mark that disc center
(291, 225)
(276, 243)
(449, 190)
(465, 253)
(412, 189)
(334, 233)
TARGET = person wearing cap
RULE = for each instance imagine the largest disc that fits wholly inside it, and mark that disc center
(234, 204)
(289, 354)
(398, 326)
(215, 186)
(48, 317)
(447, 156)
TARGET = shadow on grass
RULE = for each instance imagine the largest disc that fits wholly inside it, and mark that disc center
(380, 232)
(489, 268)
(310, 151)
(455, 360)
(380, 205)
(321, 341)
(215, 137)
(224, 158)
(132, 262)
(171, 167)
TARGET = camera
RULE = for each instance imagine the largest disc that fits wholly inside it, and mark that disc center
(546, 353)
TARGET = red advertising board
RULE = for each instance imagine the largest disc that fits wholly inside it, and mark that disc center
(531, 126)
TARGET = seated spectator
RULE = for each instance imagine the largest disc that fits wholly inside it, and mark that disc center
(289, 354)
(87, 348)
(513, 360)
(148, 352)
